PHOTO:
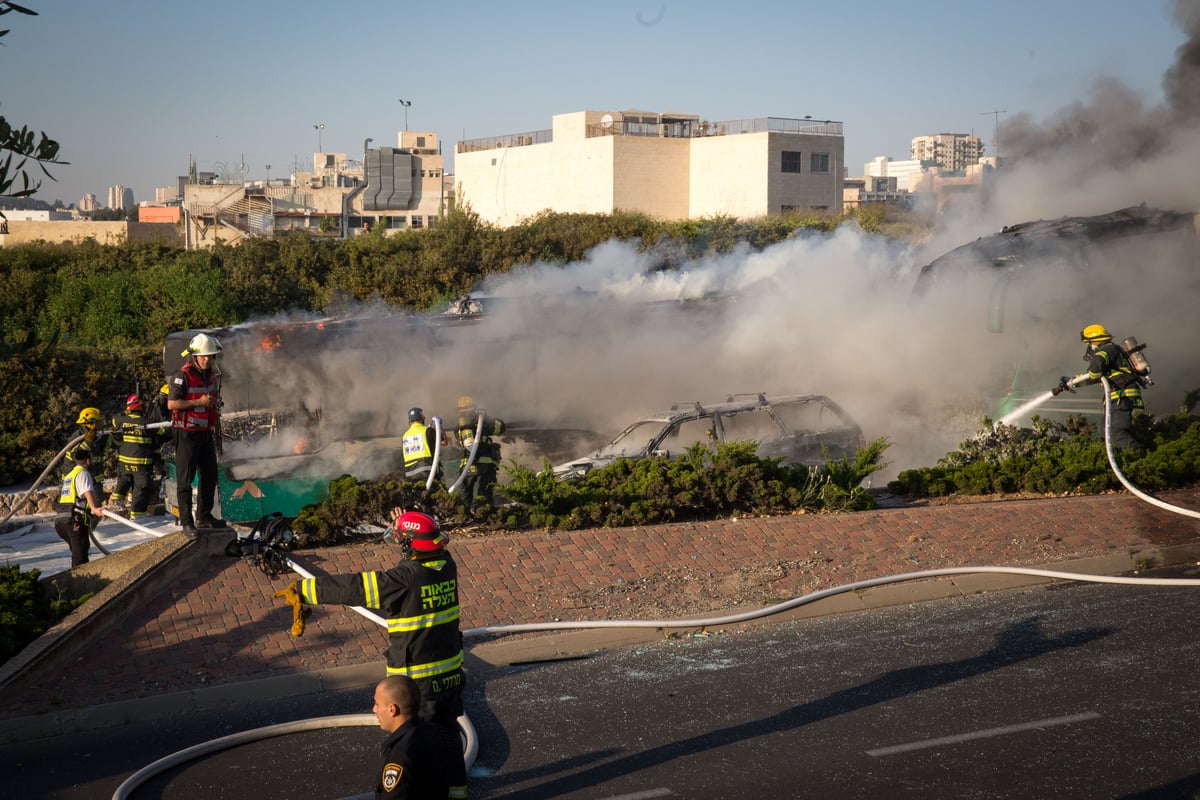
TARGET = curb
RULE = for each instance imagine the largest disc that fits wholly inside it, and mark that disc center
(503, 650)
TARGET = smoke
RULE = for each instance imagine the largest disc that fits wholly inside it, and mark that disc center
(593, 345)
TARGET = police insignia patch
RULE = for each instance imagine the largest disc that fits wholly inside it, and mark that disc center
(391, 776)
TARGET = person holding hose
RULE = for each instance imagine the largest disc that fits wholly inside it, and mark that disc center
(79, 506)
(1108, 360)
(419, 597)
(483, 472)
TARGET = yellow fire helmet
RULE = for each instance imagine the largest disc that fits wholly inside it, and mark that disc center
(1095, 334)
(466, 403)
(89, 417)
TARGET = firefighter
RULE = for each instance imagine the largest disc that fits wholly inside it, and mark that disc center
(419, 597)
(419, 443)
(87, 422)
(194, 398)
(79, 506)
(137, 450)
(482, 472)
(1108, 360)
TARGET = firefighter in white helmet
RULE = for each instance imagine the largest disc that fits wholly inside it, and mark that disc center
(194, 399)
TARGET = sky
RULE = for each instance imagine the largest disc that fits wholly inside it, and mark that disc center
(133, 90)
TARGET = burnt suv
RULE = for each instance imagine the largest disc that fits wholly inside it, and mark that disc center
(800, 429)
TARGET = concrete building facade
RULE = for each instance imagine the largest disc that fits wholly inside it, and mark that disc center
(950, 151)
(339, 197)
(671, 166)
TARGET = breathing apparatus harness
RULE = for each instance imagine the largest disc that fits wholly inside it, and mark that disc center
(1133, 353)
(267, 545)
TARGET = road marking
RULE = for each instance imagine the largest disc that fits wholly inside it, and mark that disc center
(984, 734)
(646, 795)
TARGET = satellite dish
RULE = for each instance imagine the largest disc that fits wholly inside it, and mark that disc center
(606, 121)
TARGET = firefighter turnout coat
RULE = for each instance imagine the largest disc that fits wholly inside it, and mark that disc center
(1110, 361)
(419, 599)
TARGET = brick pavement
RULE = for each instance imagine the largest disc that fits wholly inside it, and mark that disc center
(221, 625)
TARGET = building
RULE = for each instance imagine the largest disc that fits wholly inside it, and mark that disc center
(393, 188)
(87, 203)
(950, 151)
(671, 166)
(120, 197)
(870, 190)
(905, 173)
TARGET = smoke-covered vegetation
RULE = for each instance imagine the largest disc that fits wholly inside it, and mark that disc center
(83, 324)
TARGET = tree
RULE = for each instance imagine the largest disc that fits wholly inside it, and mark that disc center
(20, 145)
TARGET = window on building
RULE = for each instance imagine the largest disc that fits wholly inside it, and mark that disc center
(420, 141)
(818, 162)
(416, 223)
(791, 161)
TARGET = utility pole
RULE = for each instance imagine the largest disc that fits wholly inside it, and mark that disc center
(996, 135)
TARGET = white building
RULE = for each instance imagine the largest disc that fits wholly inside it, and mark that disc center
(671, 166)
(907, 173)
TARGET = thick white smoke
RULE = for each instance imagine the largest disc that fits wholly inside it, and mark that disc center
(593, 344)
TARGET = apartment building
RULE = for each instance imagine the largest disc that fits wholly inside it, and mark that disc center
(952, 152)
(667, 165)
(393, 187)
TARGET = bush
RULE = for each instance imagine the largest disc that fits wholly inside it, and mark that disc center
(25, 610)
(1062, 458)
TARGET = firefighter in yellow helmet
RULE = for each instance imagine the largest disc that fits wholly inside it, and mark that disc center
(87, 425)
(1109, 360)
(483, 471)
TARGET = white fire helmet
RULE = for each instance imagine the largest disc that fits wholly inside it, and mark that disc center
(203, 345)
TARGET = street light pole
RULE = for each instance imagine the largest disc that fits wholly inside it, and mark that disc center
(406, 104)
(318, 127)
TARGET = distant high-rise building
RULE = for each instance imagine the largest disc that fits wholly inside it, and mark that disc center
(120, 197)
(87, 202)
(950, 151)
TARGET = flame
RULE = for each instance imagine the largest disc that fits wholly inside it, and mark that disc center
(270, 341)
(301, 447)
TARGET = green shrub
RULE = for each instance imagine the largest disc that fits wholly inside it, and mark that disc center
(25, 610)
(1062, 458)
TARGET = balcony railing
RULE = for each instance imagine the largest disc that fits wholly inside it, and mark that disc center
(673, 129)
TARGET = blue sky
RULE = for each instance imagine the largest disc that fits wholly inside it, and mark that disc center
(134, 88)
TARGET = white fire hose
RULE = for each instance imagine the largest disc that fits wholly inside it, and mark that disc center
(462, 476)
(437, 453)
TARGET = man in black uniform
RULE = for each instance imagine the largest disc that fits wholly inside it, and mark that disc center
(416, 759)
(194, 398)
(136, 454)
(419, 597)
(1108, 360)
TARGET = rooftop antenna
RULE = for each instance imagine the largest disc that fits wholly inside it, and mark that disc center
(996, 135)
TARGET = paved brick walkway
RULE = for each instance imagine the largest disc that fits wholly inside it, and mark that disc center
(221, 624)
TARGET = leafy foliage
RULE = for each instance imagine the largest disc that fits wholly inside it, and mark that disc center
(1062, 458)
(699, 485)
(18, 146)
(26, 612)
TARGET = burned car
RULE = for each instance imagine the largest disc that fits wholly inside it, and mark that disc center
(799, 429)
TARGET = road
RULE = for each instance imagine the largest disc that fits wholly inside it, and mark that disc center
(1066, 691)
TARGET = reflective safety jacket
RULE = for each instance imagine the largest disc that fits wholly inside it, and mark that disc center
(1110, 361)
(420, 602)
(136, 445)
(197, 384)
(489, 451)
(418, 452)
(71, 499)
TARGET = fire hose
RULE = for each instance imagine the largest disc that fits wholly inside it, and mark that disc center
(470, 742)
(462, 476)
(437, 454)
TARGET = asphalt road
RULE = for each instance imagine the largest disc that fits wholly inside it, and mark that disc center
(1067, 691)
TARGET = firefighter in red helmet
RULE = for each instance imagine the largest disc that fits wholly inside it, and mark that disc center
(419, 597)
(137, 450)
